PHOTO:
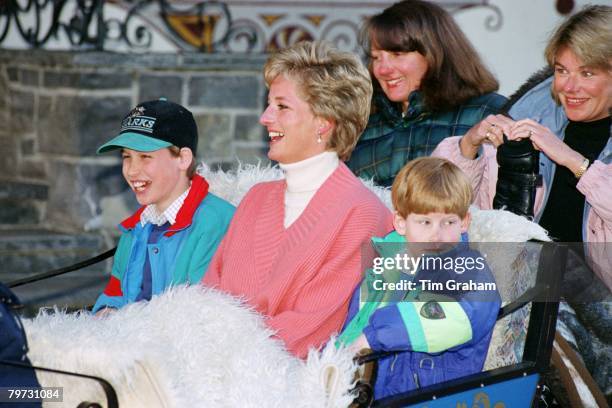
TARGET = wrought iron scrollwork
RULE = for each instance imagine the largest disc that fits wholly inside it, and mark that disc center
(207, 25)
(133, 32)
(493, 22)
(32, 22)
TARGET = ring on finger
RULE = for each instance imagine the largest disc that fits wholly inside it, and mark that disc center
(488, 134)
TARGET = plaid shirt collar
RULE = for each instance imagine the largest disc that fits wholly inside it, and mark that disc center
(391, 111)
(151, 215)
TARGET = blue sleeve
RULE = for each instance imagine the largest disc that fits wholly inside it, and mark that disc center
(353, 307)
(434, 323)
(113, 295)
(210, 236)
(115, 302)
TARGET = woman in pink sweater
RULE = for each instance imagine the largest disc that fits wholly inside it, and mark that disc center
(295, 247)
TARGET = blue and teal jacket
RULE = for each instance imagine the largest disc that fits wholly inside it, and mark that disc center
(437, 335)
(181, 255)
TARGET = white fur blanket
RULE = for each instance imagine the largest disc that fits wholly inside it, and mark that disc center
(190, 347)
(198, 347)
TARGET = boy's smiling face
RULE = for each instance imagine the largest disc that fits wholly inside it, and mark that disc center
(432, 229)
(156, 177)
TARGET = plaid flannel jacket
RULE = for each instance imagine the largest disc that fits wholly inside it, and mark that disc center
(390, 140)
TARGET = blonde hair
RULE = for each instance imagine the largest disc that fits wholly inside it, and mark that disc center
(431, 184)
(587, 34)
(335, 84)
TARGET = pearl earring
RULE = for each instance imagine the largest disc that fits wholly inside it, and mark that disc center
(319, 140)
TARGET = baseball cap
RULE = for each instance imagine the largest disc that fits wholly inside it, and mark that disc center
(154, 125)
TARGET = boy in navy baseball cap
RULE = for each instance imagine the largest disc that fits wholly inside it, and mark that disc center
(172, 237)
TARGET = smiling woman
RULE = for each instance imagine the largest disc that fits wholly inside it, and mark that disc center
(398, 73)
(581, 85)
(429, 84)
(294, 248)
(567, 118)
(291, 124)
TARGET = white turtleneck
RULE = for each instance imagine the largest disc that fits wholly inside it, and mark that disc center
(303, 180)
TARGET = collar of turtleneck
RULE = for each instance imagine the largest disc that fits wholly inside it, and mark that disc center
(310, 174)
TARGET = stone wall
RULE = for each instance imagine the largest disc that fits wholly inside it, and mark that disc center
(58, 107)
(59, 201)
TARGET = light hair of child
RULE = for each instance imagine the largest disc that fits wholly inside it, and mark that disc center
(431, 184)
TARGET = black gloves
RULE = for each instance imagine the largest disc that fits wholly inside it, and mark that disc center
(518, 177)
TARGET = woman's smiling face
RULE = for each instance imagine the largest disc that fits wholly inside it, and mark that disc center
(585, 92)
(398, 73)
(292, 127)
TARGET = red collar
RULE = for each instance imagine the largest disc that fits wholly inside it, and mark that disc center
(199, 190)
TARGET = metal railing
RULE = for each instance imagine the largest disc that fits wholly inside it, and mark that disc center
(191, 25)
(206, 26)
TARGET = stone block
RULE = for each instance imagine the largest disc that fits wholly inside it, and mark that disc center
(76, 193)
(19, 212)
(13, 74)
(248, 128)
(215, 139)
(33, 169)
(4, 90)
(225, 61)
(25, 253)
(9, 151)
(78, 125)
(45, 104)
(133, 60)
(37, 56)
(156, 86)
(23, 191)
(225, 91)
(87, 80)
(30, 77)
(21, 112)
(27, 147)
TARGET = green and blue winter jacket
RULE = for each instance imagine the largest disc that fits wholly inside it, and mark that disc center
(436, 335)
(181, 255)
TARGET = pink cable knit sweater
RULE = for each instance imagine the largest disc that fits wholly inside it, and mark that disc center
(301, 277)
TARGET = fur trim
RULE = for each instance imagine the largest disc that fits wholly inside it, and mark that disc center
(503, 226)
(191, 346)
(532, 81)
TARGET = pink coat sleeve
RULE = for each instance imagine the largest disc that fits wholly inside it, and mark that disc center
(482, 171)
(322, 304)
(596, 185)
